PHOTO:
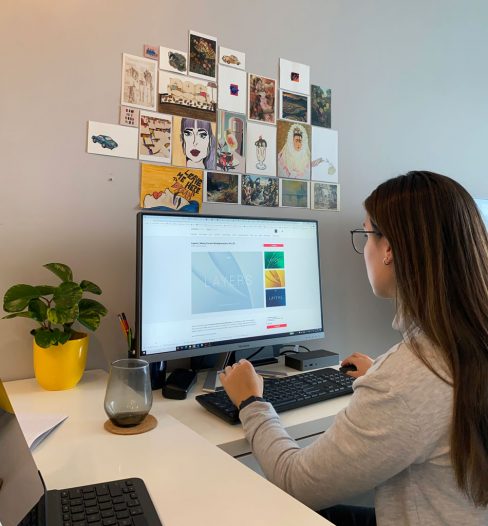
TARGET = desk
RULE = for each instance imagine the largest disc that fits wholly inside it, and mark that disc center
(190, 480)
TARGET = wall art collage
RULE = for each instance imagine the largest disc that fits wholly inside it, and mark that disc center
(207, 130)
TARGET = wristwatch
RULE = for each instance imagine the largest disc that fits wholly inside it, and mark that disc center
(250, 400)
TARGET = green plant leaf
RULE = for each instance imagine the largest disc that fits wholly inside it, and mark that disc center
(42, 337)
(38, 309)
(25, 314)
(64, 337)
(67, 295)
(17, 297)
(62, 316)
(63, 272)
(88, 305)
(90, 319)
(88, 286)
(45, 290)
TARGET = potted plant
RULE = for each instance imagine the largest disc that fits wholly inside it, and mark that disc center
(59, 350)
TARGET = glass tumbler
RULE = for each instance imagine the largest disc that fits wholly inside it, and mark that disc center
(128, 398)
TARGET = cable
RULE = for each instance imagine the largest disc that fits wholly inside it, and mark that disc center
(254, 353)
(295, 349)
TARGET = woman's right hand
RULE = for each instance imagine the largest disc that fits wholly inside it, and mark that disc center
(361, 361)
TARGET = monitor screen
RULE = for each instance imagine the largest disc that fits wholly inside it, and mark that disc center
(213, 284)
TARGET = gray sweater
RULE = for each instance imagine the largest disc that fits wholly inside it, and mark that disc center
(393, 437)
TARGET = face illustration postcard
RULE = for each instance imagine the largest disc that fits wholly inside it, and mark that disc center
(261, 105)
(293, 144)
(202, 56)
(230, 57)
(173, 60)
(139, 78)
(112, 140)
(294, 77)
(222, 188)
(261, 149)
(232, 94)
(324, 155)
(155, 137)
(194, 143)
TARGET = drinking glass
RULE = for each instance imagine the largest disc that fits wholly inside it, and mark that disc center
(128, 398)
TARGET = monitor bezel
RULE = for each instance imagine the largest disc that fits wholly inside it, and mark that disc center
(229, 346)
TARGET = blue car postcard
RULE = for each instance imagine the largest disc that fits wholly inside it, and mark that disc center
(112, 139)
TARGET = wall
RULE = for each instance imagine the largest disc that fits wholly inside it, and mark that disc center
(408, 80)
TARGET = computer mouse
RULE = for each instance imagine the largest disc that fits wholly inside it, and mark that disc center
(349, 367)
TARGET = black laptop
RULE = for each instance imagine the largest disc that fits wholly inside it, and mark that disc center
(25, 501)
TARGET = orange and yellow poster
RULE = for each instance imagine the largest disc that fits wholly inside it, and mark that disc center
(171, 189)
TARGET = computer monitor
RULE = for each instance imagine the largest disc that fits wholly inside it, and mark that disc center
(215, 284)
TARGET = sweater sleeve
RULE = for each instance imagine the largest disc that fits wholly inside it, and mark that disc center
(370, 441)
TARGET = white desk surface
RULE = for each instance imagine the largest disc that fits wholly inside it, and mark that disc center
(190, 480)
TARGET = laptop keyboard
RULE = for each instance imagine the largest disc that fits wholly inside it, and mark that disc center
(118, 503)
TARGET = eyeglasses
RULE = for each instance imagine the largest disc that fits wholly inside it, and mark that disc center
(359, 236)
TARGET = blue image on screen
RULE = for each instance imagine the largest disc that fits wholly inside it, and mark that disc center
(226, 281)
(275, 298)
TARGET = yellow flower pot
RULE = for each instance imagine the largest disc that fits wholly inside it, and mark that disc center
(61, 367)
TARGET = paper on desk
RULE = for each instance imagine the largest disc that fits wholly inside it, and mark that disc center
(37, 427)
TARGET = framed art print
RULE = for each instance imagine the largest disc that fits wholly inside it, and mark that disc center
(294, 193)
(293, 145)
(324, 155)
(261, 105)
(294, 77)
(155, 137)
(325, 196)
(261, 149)
(232, 93)
(294, 107)
(203, 56)
(112, 140)
(230, 57)
(139, 78)
(321, 106)
(173, 60)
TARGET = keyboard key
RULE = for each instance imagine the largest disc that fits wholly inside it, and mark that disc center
(109, 522)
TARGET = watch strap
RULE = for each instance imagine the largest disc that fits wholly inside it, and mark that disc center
(250, 400)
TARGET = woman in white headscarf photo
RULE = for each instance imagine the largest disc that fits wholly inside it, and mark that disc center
(294, 157)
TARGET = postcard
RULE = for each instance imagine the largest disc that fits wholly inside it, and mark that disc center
(232, 89)
(294, 77)
(222, 188)
(112, 140)
(259, 191)
(129, 116)
(185, 91)
(230, 57)
(203, 56)
(261, 104)
(294, 107)
(293, 144)
(321, 106)
(139, 77)
(173, 60)
(155, 137)
(171, 189)
(324, 155)
(325, 196)
(231, 142)
(294, 193)
(261, 149)
(151, 52)
(194, 143)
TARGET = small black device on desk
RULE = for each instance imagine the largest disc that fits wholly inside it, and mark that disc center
(179, 383)
(285, 393)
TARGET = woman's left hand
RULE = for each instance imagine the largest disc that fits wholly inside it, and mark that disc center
(241, 381)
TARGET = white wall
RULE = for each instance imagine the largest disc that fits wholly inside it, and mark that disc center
(409, 92)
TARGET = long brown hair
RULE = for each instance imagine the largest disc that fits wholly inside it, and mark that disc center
(440, 252)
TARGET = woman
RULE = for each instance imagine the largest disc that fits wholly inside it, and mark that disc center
(198, 143)
(416, 428)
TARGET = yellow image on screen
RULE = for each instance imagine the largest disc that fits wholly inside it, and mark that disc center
(274, 278)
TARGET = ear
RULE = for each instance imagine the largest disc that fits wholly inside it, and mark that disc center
(388, 252)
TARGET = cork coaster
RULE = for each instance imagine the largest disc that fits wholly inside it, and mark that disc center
(147, 424)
